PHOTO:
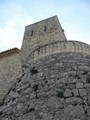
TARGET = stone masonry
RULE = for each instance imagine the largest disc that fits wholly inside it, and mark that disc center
(55, 80)
(56, 87)
(41, 33)
(10, 69)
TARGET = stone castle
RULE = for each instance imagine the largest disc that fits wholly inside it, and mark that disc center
(48, 79)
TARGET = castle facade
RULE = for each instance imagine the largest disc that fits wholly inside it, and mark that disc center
(48, 79)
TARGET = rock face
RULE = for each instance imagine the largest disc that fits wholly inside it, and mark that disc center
(56, 87)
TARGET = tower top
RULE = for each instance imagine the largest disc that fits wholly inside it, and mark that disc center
(47, 19)
(45, 27)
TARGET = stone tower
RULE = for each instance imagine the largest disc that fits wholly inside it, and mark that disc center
(41, 33)
(55, 84)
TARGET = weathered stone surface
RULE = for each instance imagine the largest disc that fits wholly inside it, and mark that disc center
(8, 110)
(54, 92)
(74, 111)
(87, 85)
(88, 111)
(5, 119)
(79, 85)
(88, 99)
(88, 91)
(14, 94)
(10, 69)
(71, 86)
(84, 68)
(68, 93)
(82, 92)
(75, 92)
(73, 100)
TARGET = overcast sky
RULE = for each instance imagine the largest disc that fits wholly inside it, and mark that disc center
(74, 16)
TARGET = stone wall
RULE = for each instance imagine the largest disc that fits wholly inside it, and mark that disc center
(57, 87)
(41, 33)
(10, 68)
(58, 47)
(55, 82)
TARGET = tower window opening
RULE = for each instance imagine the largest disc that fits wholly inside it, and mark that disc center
(32, 33)
(45, 28)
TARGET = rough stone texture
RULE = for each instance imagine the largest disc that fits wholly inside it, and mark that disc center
(41, 44)
(82, 92)
(79, 85)
(40, 36)
(10, 68)
(75, 92)
(58, 47)
(88, 111)
(55, 80)
(68, 93)
(58, 94)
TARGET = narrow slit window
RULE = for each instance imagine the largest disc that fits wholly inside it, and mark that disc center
(45, 28)
(32, 33)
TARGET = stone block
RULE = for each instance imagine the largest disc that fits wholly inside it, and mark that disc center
(88, 73)
(82, 92)
(46, 72)
(76, 119)
(83, 79)
(73, 100)
(8, 111)
(88, 111)
(74, 111)
(75, 92)
(79, 85)
(13, 94)
(71, 86)
(5, 119)
(24, 98)
(67, 93)
(19, 106)
(89, 99)
(87, 85)
(88, 90)
(84, 67)
(88, 118)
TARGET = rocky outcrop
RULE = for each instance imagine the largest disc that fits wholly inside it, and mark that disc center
(56, 87)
